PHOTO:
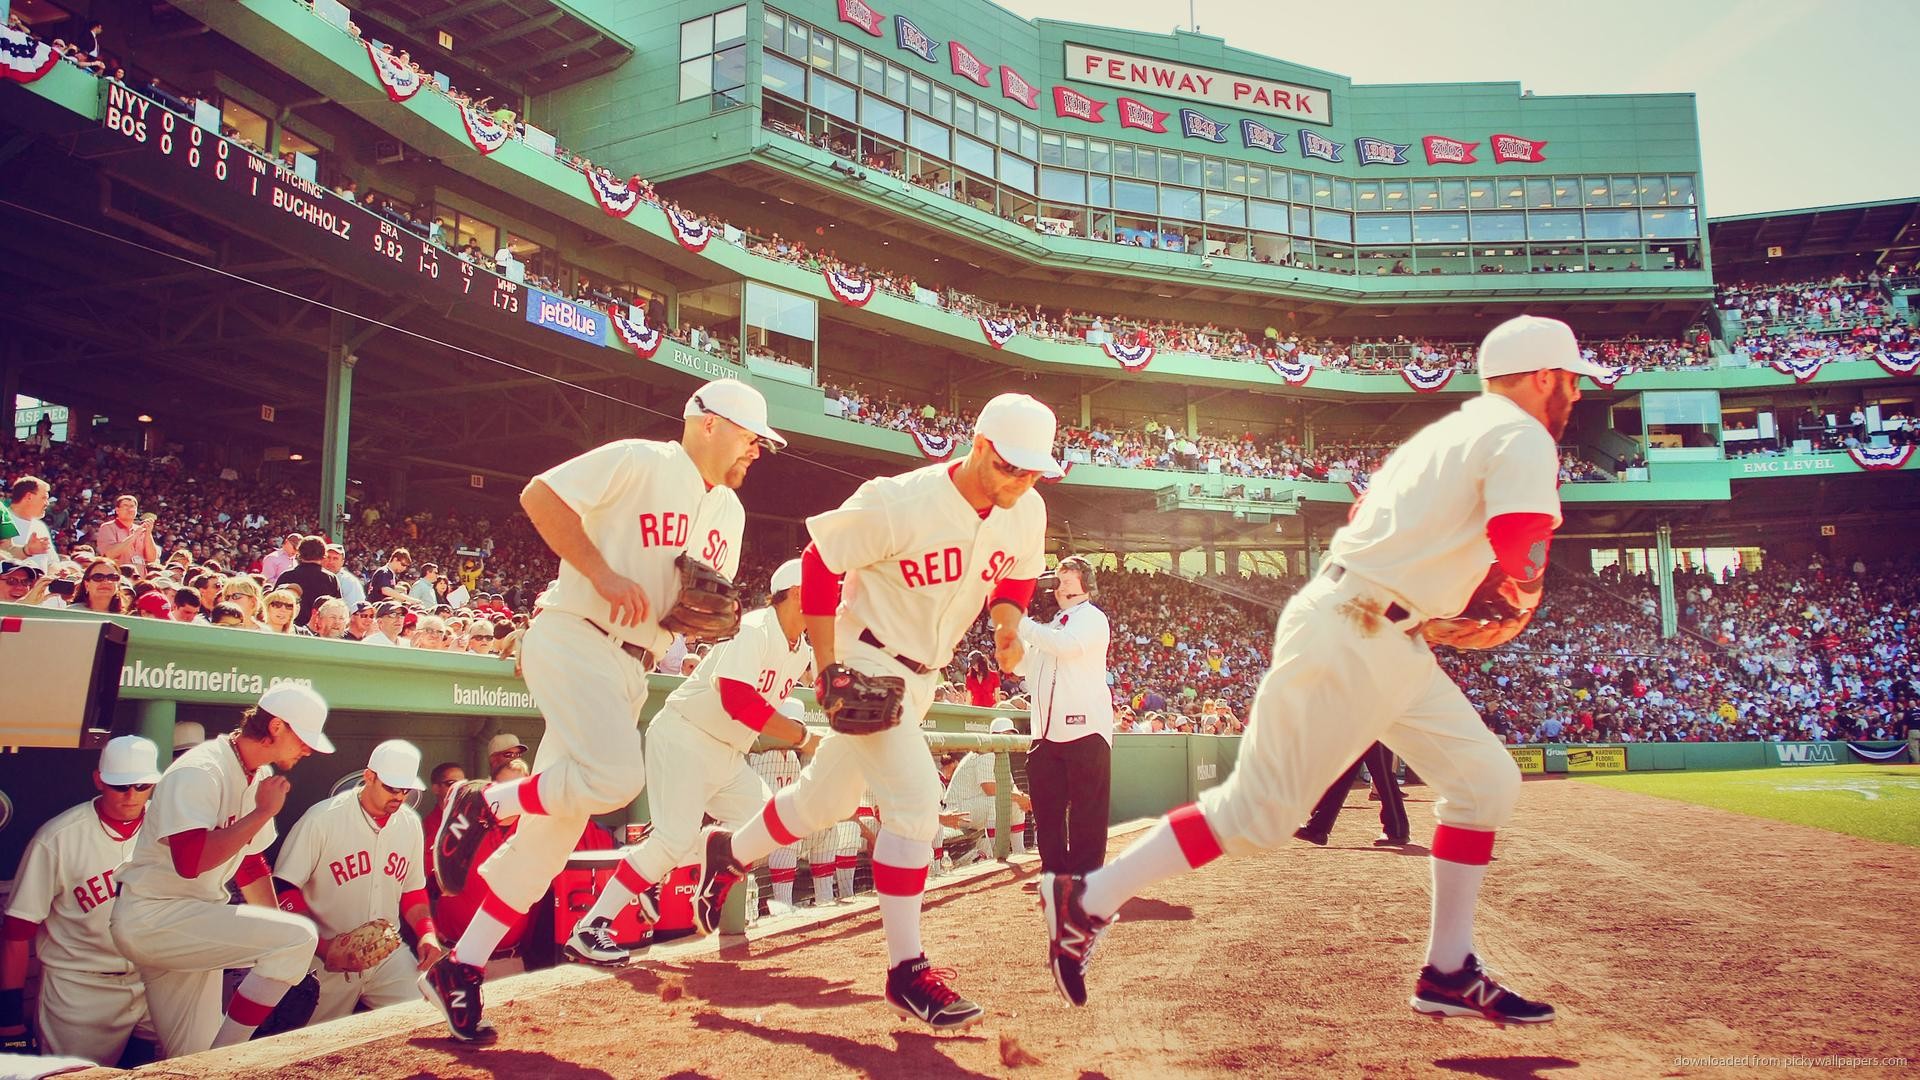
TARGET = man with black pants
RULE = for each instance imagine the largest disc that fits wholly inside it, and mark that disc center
(1393, 808)
(1070, 768)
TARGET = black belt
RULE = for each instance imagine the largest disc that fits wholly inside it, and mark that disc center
(1394, 612)
(909, 663)
(638, 652)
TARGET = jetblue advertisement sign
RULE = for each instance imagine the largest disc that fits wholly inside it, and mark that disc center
(565, 316)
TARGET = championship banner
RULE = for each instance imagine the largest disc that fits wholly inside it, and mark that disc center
(998, 331)
(1017, 88)
(1131, 357)
(1259, 136)
(1880, 458)
(915, 40)
(1444, 151)
(1802, 368)
(1425, 379)
(1319, 146)
(1898, 363)
(849, 290)
(933, 445)
(1585, 759)
(1200, 126)
(1515, 148)
(22, 59)
(1076, 106)
(643, 339)
(1381, 152)
(485, 135)
(966, 65)
(1295, 371)
(1531, 759)
(1359, 488)
(692, 232)
(1139, 114)
(859, 14)
(1066, 470)
(401, 82)
(1606, 382)
(616, 198)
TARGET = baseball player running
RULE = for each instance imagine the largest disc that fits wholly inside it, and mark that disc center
(210, 820)
(354, 864)
(1351, 665)
(920, 553)
(697, 756)
(636, 523)
(91, 998)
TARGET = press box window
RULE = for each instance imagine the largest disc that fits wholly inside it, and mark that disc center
(713, 58)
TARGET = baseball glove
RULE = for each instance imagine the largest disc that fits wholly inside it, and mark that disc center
(857, 703)
(364, 947)
(708, 607)
(1499, 609)
(294, 1011)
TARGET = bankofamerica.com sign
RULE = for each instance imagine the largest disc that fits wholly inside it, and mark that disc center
(1248, 93)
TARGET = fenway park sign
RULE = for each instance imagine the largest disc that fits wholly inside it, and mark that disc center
(1248, 93)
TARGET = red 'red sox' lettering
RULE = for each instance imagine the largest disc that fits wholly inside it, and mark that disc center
(933, 568)
(716, 549)
(354, 865)
(396, 866)
(663, 530)
(96, 890)
(999, 564)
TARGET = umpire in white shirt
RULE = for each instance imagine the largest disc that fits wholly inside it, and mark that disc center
(1070, 768)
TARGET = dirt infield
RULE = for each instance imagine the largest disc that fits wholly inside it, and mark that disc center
(1661, 931)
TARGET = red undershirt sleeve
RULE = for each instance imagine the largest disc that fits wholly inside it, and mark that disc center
(744, 703)
(819, 586)
(252, 869)
(186, 847)
(1520, 543)
(1015, 591)
(18, 929)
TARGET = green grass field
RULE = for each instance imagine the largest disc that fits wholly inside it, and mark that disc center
(1879, 802)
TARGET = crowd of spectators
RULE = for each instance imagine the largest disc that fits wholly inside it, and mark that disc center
(1827, 304)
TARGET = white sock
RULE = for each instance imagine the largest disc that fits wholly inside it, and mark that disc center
(253, 1000)
(1456, 889)
(505, 798)
(822, 890)
(1019, 841)
(620, 890)
(482, 936)
(900, 914)
(1152, 859)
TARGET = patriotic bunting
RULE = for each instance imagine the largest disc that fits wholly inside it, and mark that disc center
(1425, 379)
(401, 82)
(1898, 363)
(1129, 356)
(1358, 486)
(933, 445)
(615, 197)
(849, 290)
(1880, 458)
(644, 339)
(692, 232)
(1802, 368)
(1606, 382)
(1876, 754)
(485, 135)
(1294, 370)
(22, 59)
(998, 331)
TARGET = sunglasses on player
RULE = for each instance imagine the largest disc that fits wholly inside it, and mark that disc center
(124, 788)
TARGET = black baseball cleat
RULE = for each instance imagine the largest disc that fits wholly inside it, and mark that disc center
(648, 901)
(1383, 840)
(1317, 839)
(719, 873)
(1471, 991)
(1073, 935)
(454, 988)
(918, 991)
(592, 943)
(468, 819)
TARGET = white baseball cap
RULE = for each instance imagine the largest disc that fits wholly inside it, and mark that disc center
(1021, 431)
(397, 763)
(734, 400)
(187, 734)
(504, 742)
(1002, 726)
(1531, 343)
(303, 710)
(129, 759)
(792, 709)
(785, 577)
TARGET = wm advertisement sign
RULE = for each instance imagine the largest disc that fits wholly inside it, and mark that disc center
(1597, 759)
(1805, 753)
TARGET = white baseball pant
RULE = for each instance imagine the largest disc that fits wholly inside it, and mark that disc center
(86, 1014)
(182, 946)
(1343, 678)
(392, 982)
(690, 773)
(590, 760)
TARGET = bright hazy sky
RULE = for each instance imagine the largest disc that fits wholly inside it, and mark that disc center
(1779, 84)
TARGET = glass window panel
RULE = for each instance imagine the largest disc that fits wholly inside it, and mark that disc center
(942, 104)
(1512, 193)
(1366, 195)
(1440, 227)
(1059, 185)
(797, 36)
(730, 28)
(1099, 190)
(696, 38)
(1009, 133)
(696, 78)
(1395, 195)
(783, 76)
(1303, 189)
(1135, 197)
(971, 153)
(1425, 195)
(963, 113)
(1566, 191)
(1553, 225)
(882, 117)
(1180, 202)
(1076, 152)
(986, 122)
(1170, 167)
(1613, 224)
(822, 50)
(1679, 191)
(834, 96)
(1268, 216)
(1192, 170)
(1100, 156)
(1256, 180)
(1343, 194)
(1217, 174)
(931, 138)
(1016, 173)
(1383, 228)
(1626, 191)
(1669, 223)
(1497, 227)
(1333, 225)
(1483, 193)
(1123, 160)
(846, 64)
(920, 94)
(1053, 150)
(1594, 190)
(730, 68)
(773, 28)
(873, 73)
(1540, 194)
(1029, 141)
(1226, 210)
(1323, 191)
(780, 311)
(896, 84)
(1453, 194)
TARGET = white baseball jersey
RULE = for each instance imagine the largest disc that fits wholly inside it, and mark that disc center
(1421, 529)
(66, 883)
(205, 788)
(921, 561)
(1066, 664)
(758, 656)
(350, 869)
(777, 767)
(970, 777)
(643, 504)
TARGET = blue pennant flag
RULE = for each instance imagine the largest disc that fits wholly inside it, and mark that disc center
(915, 40)
(1313, 145)
(1259, 136)
(1381, 152)
(1197, 126)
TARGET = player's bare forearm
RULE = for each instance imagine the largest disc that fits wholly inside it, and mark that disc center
(259, 892)
(788, 732)
(820, 636)
(13, 963)
(560, 527)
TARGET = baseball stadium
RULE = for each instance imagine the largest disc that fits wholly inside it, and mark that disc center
(632, 354)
